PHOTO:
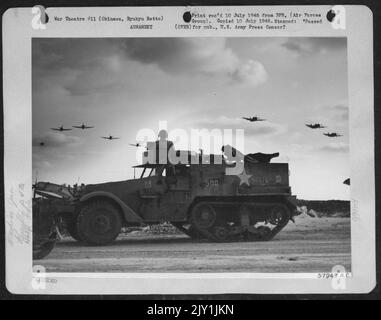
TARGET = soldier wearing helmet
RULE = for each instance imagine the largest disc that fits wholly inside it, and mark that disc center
(157, 151)
(163, 145)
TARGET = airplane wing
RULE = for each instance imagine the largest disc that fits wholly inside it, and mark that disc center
(55, 129)
(261, 119)
(88, 127)
(248, 119)
(65, 129)
(105, 137)
(134, 145)
(308, 125)
(115, 138)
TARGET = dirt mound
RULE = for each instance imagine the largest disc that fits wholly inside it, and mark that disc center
(328, 208)
(304, 213)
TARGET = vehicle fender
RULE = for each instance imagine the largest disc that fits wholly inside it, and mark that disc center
(129, 214)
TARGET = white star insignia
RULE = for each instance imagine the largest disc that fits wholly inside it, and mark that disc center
(244, 178)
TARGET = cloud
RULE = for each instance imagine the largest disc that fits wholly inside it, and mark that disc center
(78, 53)
(78, 67)
(340, 112)
(269, 128)
(182, 55)
(296, 151)
(210, 56)
(311, 46)
(251, 129)
(250, 72)
(40, 163)
(336, 147)
(56, 140)
(334, 115)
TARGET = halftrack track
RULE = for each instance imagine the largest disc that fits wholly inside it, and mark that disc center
(218, 221)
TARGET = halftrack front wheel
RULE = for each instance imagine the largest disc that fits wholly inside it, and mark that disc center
(99, 223)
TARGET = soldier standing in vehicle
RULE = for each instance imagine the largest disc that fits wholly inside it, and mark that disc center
(157, 152)
(163, 145)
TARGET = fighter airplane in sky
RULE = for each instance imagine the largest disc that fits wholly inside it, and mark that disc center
(83, 127)
(315, 126)
(253, 119)
(61, 128)
(135, 144)
(332, 134)
(110, 137)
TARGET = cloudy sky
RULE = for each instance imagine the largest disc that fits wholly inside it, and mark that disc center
(123, 85)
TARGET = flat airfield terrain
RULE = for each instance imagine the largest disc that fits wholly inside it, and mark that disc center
(310, 245)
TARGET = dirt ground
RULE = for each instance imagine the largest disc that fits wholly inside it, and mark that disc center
(310, 245)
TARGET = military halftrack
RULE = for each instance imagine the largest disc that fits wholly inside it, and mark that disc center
(199, 199)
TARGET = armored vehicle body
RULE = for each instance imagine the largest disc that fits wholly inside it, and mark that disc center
(200, 199)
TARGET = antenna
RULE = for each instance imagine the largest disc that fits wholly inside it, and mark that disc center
(35, 185)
